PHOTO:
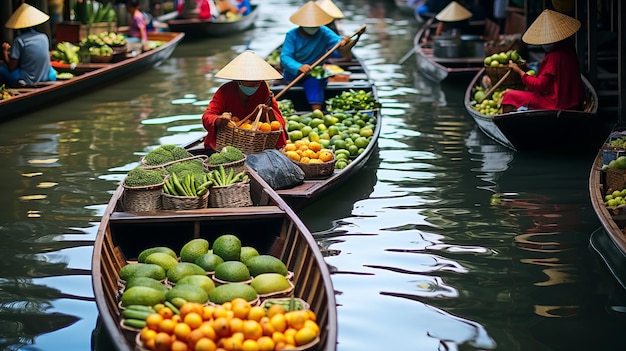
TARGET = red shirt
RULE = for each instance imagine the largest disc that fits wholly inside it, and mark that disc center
(557, 85)
(226, 99)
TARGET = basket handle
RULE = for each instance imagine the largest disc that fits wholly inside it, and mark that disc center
(255, 125)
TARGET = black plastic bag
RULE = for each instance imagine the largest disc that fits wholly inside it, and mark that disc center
(276, 169)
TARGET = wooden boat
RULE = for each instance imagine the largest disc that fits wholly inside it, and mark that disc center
(269, 225)
(88, 77)
(355, 77)
(544, 130)
(443, 58)
(195, 27)
(609, 240)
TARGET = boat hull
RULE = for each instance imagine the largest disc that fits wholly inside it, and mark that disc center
(269, 225)
(544, 130)
(92, 76)
(196, 27)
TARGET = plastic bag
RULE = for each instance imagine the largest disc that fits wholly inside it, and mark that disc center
(276, 169)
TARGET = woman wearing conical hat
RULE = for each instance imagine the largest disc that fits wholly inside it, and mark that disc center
(557, 84)
(331, 8)
(27, 60)
(306, 44)
(245, 94)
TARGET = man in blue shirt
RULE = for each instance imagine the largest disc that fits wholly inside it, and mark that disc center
(306, 44)
(28, 59)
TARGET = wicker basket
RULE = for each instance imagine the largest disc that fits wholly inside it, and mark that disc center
(142, 199)
(234, 195)
(317, 170)
(171, 202)
(238, 166)
(615, 179)
(101, 58)
(509, 42)
(247, 140)
(513, 81)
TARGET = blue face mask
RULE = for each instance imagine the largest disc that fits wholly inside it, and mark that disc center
(248, 90)
(548, 47)
(310, 30)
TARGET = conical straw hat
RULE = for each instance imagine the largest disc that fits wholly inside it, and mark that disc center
(330, 8)
(26, 16)
(310, 15)
(454, 12)
(248, 66)
(550, 27)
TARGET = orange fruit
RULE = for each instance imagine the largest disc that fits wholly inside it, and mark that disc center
(147, 334)
(162, 342)
(256, 313)
(236, 325)
(292, 155)
(221, 326)
(178, 345)
(311, 324)
(207, 313)
(207, 329)
(252, 329)
(275, 309)
(182, 331)
(326, 155)
(190, 307)
(246, 126)
(220, 311)
(290, 147)
(278, 337)
(166, 312)
(296, 319)
(279, 322)
(194, 337)
(312, 315)
(268, 328)
(309, 153)
(250, 345)
(275, 125)
(265, 127)
(305, 336)
(193, 319)
(153, 321)
(240, 307)
(228, 305)
(315, 160)
(205, 344)
(167, 326)
(305, 159)
(315, 146)
(266, 343)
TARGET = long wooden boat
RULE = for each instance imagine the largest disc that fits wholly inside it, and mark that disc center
(544, 130)
(609, 240)
(88, 77)
(459, 61)
(196, 27)
(269, 225)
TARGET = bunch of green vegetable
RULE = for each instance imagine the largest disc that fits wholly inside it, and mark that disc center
(222, 178)
(188, 185)
(228, 154)
(286, 107)
(164, 154)
(319, 72)
(104, 38)
(140, 177)
(66, 52)
(353, 101)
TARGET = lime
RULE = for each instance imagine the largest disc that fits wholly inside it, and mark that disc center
(353, 150)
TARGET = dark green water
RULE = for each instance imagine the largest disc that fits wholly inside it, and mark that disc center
(421, 258)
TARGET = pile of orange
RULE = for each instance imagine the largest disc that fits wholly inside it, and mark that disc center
(306, 151)
(262, 126)
(235, 325)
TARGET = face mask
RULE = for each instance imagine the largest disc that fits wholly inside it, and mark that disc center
(248, 90)
(548, 47)
(310, 30)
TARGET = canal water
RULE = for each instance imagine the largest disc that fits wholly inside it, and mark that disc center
(444, 241)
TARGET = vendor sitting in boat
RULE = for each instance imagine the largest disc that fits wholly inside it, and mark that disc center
(306, 44)
(242, 97)
(454, 18)
(557, 84)
(28, 59)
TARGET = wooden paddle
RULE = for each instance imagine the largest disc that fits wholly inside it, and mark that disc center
(495, 86)
(320, 60)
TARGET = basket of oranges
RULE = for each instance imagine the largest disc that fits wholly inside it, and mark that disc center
(315, 161)
(248, 137)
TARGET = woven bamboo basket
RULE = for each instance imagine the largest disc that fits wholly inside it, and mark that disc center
(513, 81)
(171, 202)
(249, 141)
(615, 179)
(142, 199)
(238, 166)
(317, 170)
(234, 195)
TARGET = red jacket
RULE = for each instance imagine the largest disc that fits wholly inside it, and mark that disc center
(226, 99)
(557, 85)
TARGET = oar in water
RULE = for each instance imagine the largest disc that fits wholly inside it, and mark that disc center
(320, 60)
(495, 86)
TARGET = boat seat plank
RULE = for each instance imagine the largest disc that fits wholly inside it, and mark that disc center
(201, 213)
